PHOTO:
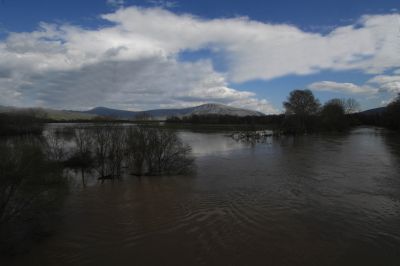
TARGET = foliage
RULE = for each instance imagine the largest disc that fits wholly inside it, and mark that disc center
(333, 115)
(301, 103)
(20, 123)
(392, 114)
(31, 190)
(213, 119)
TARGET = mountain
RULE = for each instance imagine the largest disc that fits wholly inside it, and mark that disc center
(108, 112)
(374, 111)
(205, 109)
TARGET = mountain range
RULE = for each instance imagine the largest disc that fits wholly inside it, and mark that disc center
(161, 114)
(157, 114)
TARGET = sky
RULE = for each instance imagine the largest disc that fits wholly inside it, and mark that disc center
(149, 54)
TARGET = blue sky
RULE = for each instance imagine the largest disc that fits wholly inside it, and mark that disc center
(151, 53)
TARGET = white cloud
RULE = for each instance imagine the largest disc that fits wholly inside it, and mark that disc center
(133, 63)
(258, 50)
(348, 88)
(379, 83)
(141, 84)
(387, 83)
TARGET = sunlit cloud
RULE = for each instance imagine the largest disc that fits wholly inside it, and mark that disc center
(134, 63)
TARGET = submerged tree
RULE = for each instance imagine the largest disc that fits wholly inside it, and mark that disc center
(82, 155)
(55, 146)
(20, 123)
(109, 147)
(350, 106)
(31, 189)
(117, 151)
(301, 103)
(333, 115)
(392, 114)
(155, 151)
(137, 146)
(300, 106)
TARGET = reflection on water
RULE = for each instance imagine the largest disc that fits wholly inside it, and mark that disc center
(311, 200)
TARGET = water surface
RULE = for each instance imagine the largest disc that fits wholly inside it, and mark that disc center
(311, 200)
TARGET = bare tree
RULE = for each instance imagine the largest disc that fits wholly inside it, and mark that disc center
(137, 144)
(351, 106)
(101, 143)
(55, 146)
(31, 187)
(155, 151)
(117, 151)
(109, 146)
(82, 157)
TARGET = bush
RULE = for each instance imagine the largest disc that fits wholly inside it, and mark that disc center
(392, 114)
(31, 191)
(155, 151)
(332, 116)
(20, 123)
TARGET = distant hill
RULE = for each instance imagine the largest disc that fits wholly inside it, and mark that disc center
(159, 114)
(162, 114)
(374, 111)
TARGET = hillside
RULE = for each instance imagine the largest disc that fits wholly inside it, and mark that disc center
(162, 114)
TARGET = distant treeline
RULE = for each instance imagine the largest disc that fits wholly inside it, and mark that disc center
(305, 114)
(20, 123)
(229, 119)
(31, 122)
(389, 118)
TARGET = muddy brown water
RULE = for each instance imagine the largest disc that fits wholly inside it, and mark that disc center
(311, 200)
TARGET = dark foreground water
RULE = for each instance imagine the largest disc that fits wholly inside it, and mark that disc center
(313, 200)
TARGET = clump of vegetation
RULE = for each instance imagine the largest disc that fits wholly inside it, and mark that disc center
(32, 189)
(301, 109)
(81, 156)
(109, 148)
(32, 184)
(155, 151)
(55, 146)
(392, 114)
(333, 116)
(273, 121)
(303, 114)
(20, 123)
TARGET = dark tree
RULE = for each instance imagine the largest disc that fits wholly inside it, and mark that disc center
(392, 114)
(302, 103)
(32, 189)
(333, 115)
(350, 106)
(301, 106)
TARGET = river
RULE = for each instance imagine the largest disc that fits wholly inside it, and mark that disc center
(310, 200)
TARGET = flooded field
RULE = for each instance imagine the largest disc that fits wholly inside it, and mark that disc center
(310, 200)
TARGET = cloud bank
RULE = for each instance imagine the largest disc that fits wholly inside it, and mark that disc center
(133, 64)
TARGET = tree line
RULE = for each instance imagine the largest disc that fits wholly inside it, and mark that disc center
(305, 114)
